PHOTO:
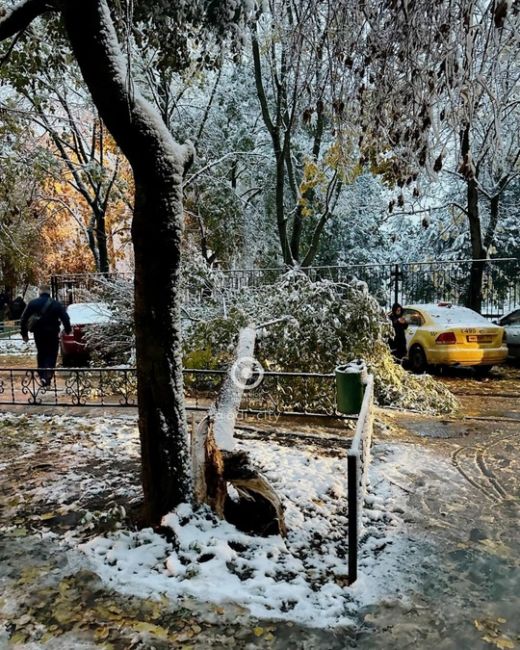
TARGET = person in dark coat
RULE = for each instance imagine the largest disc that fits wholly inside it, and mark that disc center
(17, 308)
(400, 325)
(46, 331)
(4, 308)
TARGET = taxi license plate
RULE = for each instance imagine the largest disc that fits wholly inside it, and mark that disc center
(475, 338)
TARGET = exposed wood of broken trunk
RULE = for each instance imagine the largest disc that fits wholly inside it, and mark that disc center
(217, 462)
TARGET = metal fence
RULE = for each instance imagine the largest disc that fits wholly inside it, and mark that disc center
(358, 460)
(279, 394)
(407, 283)
(8, 328)
(76, 287)
(412, 282)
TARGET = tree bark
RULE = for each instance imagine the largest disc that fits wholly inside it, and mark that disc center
(274, 128)
(158, 164)
(478, 253)
(92, 243)
(101, 242)
(494, 213)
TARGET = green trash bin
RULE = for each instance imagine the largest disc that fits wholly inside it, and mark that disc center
(350, 386)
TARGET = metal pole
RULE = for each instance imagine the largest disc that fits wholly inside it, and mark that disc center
(397, 276)
(54, 283)
(352, 499)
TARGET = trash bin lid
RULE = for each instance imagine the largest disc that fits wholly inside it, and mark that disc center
(352, 367)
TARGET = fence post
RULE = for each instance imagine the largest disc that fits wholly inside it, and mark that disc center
(396, 275)
(353, 527)
(54, 287)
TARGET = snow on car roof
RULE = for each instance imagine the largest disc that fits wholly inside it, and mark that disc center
(454, 315)
(89, 313)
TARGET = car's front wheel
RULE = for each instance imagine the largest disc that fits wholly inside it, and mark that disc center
(418, 362)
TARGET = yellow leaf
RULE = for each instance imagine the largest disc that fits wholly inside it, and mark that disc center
(101, 633)
(47, 515)
(501, 642)
(64, 614)
(150, 628)
(19, 532)
(258, 631)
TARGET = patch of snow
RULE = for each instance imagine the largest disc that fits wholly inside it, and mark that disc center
(301, 578)
(14, 344)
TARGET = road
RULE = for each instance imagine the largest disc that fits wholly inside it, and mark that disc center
(462, 513)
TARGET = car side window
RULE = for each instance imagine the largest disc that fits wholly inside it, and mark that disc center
(413, 317)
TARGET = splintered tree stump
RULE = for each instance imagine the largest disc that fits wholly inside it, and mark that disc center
(259, 509)
(216, 462)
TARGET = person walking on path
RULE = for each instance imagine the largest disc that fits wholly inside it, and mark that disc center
(400, 325)
(42, 316)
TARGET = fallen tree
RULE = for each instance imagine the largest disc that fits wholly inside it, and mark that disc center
(318, 325)
(217, 463)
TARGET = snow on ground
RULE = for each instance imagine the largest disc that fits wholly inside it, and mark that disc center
(300, 579)
(14, 344)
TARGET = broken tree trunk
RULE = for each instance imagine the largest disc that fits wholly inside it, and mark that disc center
(217, 463)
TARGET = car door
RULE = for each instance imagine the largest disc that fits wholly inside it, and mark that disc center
(414, 320)
(511, 323)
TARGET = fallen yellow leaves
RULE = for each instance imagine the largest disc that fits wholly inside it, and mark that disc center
(493, 634)
(503, 642)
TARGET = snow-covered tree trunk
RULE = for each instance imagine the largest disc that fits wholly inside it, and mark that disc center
(158, 164)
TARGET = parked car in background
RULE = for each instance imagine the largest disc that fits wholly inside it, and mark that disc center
(74, 350)
(448, 335)
(511, 324)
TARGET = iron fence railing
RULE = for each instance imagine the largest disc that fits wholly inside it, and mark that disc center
(76, 287)
(407, 283)
(278, 394)
(423, 282)
(9, 328)
(412, 282)
(358, 460)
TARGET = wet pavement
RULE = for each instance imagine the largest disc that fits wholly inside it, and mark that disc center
(462, 511)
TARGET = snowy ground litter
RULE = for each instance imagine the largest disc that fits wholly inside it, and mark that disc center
(14, 344)
(300, 579)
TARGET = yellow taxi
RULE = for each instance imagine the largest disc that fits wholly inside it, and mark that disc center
(446, 334)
